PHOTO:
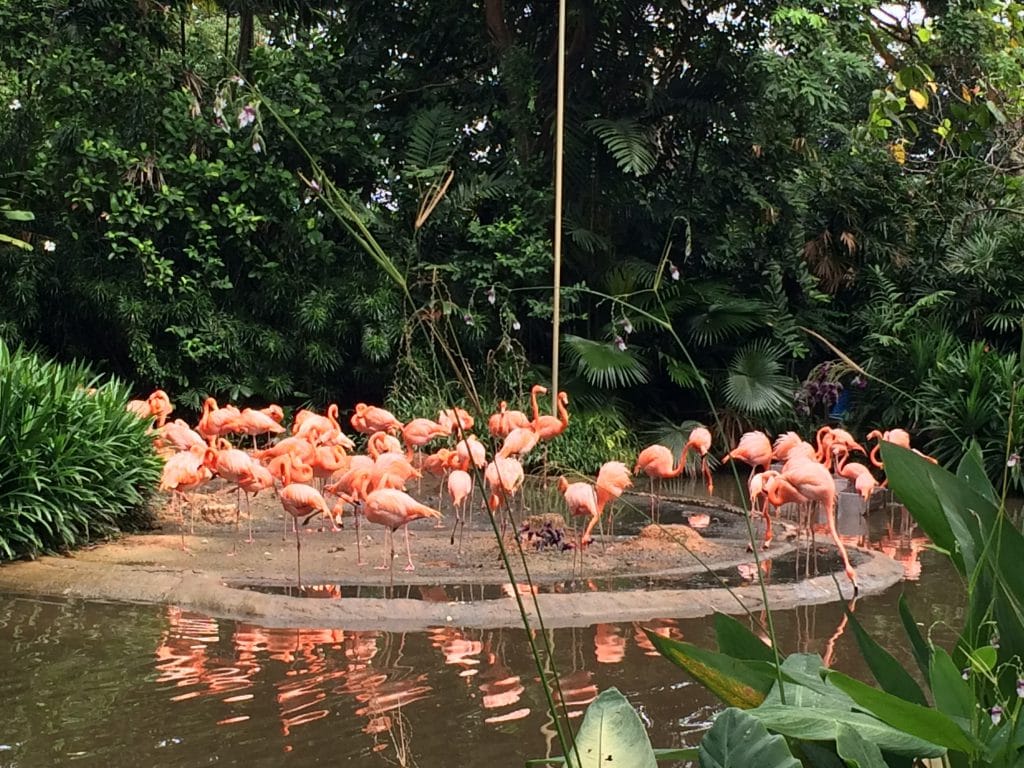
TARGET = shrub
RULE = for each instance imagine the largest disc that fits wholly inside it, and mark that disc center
(75, 463)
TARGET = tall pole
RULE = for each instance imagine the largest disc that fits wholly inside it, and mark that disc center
(559, 140)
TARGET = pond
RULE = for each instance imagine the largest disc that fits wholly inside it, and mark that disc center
(127, 685)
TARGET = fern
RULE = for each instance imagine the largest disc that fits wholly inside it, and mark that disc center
(627, 142)
(1007, 316)
(682, 373)
(604, 365)
(431, 141)
(755, 384)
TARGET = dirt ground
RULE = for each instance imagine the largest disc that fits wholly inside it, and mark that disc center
(220, 572)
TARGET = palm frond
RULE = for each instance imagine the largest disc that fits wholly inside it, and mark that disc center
(755, 383)
(628, 143)
(605, 365)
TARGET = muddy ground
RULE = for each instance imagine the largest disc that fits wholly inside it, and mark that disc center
(673, 569)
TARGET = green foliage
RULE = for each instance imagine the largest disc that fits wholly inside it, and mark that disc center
(834, 719)
(593, 437)
(77, 463)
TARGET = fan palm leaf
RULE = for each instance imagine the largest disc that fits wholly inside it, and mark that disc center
(605, 365)
(755, 383)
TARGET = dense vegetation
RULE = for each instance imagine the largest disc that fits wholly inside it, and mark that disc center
(76, 464)
(766, 168)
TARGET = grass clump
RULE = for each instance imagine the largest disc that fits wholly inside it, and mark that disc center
(75, 463)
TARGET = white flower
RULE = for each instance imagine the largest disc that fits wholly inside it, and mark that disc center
(49, 245)
(515, 325)
(626, 325)
(1020, 689)
(257, 146)
(247, 116)
(15, 105)
(673, 270)
(620, 343)
(996, 713)
(491, 295)
(238, 80)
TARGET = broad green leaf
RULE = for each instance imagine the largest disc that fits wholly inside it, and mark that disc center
(856, 751)
(913, 719)
(984, 659)
(919, 646)
(736, 640)
(680, 755)
(972, 471)
(802, 673)
(739, 740)
(953, 696)
(611, 734)
(889, 673)
(911, 485)
(821, 725)
(737, 684)
(18, 215)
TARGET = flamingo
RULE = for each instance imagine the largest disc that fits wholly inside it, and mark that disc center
(754, 449)
(455, 419)
(232, 464)
(460, 488)
(828, 436)
(393, 509)
(301, 501)
(419, 432)
(860, 475)
(519, 442)
(470, 452)
(612, 479)
(216, 421)
(581, 499)
(252, 422)
(898, 437)
(536, 389)
(756, 487)
(504, 421)
(317, 429)
(368, 419)
(156, 406)
(700, 441)
(181, 436)
(297, 445)
(258, 479)
(655, 461)
(810, 481)
(505, 477)
(185, 471)
(381, 442)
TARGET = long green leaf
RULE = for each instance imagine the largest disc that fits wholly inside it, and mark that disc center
(735, 639)
(661, 754)
(911, 485)
(889, 673)
(738, 740)
(737, 684)
(821, 725)
(972, 471)
(918, 645)
(953, 696)
(915, 720)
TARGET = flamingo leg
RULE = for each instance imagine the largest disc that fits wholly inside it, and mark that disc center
(248, 514)
(766, 514)
(298, 558)
(408, 551)
(708, 480)
(384, 565)
(359, 543)
(462, 529)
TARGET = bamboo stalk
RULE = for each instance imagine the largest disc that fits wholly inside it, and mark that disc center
(559, 145)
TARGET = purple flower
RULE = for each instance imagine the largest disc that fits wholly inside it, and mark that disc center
(620, 343)
(1020, 689)
(1014, 460)
(996, 713)
(468, 319)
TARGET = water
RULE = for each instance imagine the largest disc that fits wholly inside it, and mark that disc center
(126, 685)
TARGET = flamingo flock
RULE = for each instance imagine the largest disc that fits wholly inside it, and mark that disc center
(314, 460)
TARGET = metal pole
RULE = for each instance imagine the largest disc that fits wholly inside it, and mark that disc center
(559, 141)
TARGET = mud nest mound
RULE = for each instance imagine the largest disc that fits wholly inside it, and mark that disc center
(545, 532)
(672, 537)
